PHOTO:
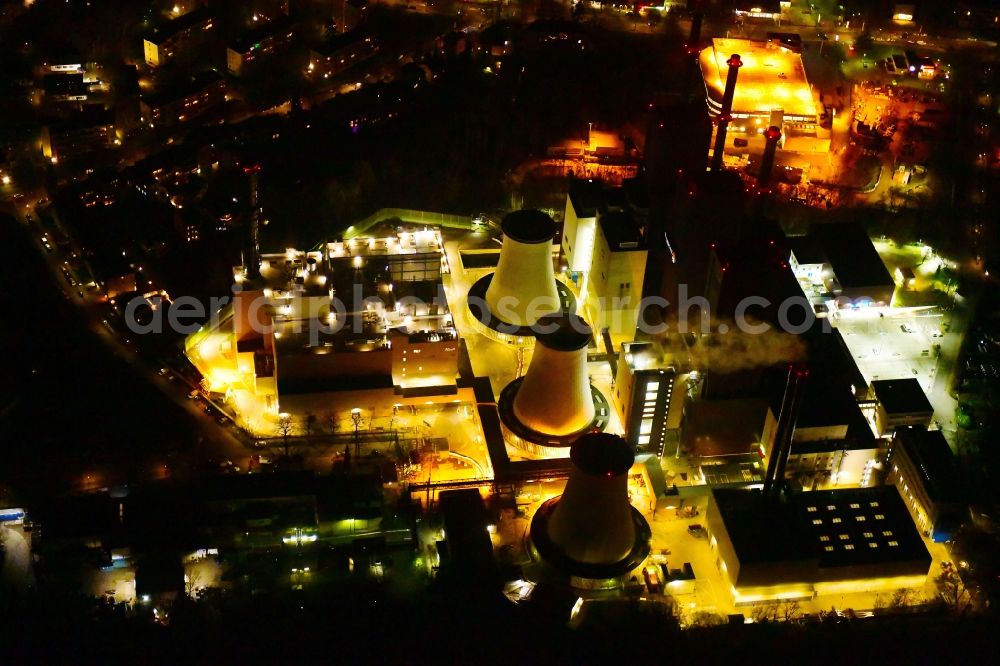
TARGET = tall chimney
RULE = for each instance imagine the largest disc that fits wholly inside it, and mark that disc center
(523, 287)
(771, 136)
(791, 402)
(591, 530)
(555, 396)
(725, 116)
(253, 261)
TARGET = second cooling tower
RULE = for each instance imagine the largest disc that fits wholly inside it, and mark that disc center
(548, 408)
(523, 289)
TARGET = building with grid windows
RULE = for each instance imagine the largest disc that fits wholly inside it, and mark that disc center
(817, 543)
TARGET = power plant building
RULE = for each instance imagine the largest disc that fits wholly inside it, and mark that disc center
(923, 468)
(322, 327)
(772, 89)
(825, 542)
(604, 246)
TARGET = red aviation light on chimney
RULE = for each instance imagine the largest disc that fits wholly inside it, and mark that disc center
(772, 133)
(734, 60)
(252, 169)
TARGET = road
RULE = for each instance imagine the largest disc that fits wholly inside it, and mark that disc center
(218, 442)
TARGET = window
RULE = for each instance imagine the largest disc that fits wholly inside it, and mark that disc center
(872, 544)
(848, 546)
(844, 537)
(860, 519)
(836, 520)
(869, 535)
(831, 507)
(893, 544)
(811, 509)
(879, 516)
(828, 549)
(824, 538)
(817, 521)
(855, 506)
(873, 504)
(886, 532)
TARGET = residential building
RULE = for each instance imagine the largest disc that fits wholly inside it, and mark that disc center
(82, 134)
(259, 44)
(182, 35)
(203, 92)
(341, 53)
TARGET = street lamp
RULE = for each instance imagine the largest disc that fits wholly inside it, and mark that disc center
(356, 417)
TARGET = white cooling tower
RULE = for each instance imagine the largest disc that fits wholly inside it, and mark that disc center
(555, 397)
(523, 288)
(591, 530)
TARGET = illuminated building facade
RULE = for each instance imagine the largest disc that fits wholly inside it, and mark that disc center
(367, 314)
(649, 395)
(605, 248)
(824, 542)
(923, 468)
(772, 90)
(183, 33)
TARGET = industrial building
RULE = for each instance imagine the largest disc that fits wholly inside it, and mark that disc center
(605, 247)
(900, 402)
(838, 266)
(180, 35)
(924, 470)
(352, 322)
(649, 395)
(816, 543)
(771, 89)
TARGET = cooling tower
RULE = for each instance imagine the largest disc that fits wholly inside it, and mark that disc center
(554, 398)
(523, 288)
(544, 411)
(591, 530)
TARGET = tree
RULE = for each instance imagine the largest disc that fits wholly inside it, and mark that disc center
(953, 593)
(331, 421)
(285, 428)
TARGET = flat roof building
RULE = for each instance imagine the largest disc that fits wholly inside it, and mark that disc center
(923, 468)
(837, 266)
(817, 543)
(771, 79)
(201, 93)
(900, 402)
(261, 42)
(164, 43)
(320, 328)
(605, 247)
